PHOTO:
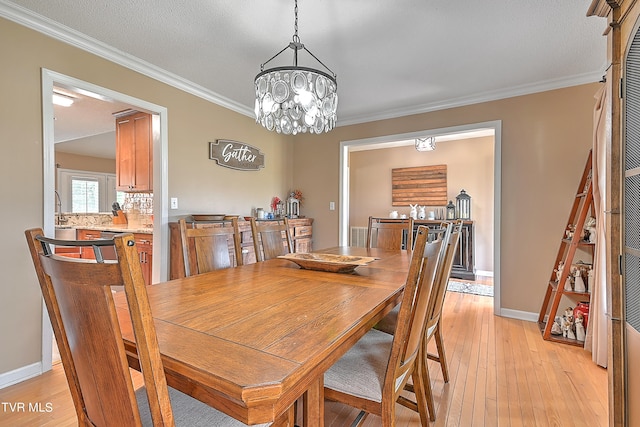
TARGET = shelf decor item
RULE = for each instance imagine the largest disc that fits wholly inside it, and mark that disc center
(451, 210)
(293, 206)
(463, 205)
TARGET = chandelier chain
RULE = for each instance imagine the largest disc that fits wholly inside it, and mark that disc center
(295, 26)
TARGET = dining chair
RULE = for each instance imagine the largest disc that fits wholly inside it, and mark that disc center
(210, 248)
(270, 239)
(432, 328)
(372, 374)
(388, 233)
(79, 299)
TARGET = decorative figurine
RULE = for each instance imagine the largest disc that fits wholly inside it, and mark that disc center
(414, 211)
(590, 278)
(579, 322)
(393, 214)
(556, 328)
(568, 285)
(421, 212)
(559, 270)
(590, 229)
(578, 283)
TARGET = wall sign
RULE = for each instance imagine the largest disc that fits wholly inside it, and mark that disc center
(424, 185)
(236, 155)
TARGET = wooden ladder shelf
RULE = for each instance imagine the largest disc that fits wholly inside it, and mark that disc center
(582, 208)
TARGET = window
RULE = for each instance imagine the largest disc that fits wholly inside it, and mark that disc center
(85, 195)
(86, 191)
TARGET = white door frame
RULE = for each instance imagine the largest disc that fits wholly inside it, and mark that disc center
(496, 125)
(160, 179)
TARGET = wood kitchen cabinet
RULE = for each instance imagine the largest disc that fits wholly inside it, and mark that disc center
(134, 152)
(144, 243)
(83, 234)
(301, 231)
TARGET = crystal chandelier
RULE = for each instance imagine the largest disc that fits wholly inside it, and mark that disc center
(426, 144)
(296, 99)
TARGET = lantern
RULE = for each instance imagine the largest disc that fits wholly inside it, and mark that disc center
(293, 207)
(463, 205)
(451, 210)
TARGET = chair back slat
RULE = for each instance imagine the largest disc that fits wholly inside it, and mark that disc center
(390, 233)
(210, 248)
(271, 240)
(413, 310)
(79, 299)
(442, 280)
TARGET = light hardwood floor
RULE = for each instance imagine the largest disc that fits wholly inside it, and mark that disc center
(502, 374)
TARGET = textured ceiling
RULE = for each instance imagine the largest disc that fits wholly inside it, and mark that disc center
(392, 58)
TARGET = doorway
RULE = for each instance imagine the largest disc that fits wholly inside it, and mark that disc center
(494, 126)
(160, 169)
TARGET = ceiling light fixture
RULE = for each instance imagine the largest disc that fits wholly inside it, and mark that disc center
(296, 99)
(426, 144)
(62, 100)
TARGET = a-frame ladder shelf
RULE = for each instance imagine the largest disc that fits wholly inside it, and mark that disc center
(570, 243)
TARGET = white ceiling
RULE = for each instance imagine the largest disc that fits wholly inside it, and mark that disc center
(392, 58)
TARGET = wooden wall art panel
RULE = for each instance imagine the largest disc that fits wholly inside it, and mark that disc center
(424, 185)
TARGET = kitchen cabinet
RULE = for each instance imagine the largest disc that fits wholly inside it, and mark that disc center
(144, 243)
(301, 231)
(84, 234)
(134, 152)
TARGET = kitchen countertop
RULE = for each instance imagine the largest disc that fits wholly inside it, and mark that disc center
(109, 227)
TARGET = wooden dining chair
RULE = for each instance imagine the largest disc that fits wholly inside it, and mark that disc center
(271, 240)
(210, 248)
(388, 233)
(79, 299)
(372, 374)
(432, 327)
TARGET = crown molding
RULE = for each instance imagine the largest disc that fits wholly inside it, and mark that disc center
(480, 98)
(60, 32)
(74, 38)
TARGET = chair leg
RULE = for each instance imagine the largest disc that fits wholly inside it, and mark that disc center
(442, 358)
(426, 382)
(421, 398)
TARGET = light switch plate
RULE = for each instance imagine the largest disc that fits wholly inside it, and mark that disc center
(174, 203)
(332, 206)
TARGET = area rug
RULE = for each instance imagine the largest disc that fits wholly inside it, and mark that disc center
(470, 288)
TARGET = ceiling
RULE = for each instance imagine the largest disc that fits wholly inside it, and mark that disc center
(392, 58)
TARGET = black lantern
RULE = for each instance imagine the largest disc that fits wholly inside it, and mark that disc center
(463, 205)
(451, 210)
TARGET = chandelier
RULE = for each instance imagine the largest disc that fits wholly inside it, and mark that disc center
(296, 99)
(426, 144)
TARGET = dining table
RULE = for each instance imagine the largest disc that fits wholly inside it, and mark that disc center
(251, 340)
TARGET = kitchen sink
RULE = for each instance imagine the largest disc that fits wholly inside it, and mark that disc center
(65, 232)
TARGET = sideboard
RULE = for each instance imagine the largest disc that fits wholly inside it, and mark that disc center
(300, 228)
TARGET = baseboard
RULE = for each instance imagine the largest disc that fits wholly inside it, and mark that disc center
(18, 375)
(484, 273)
(520, 315)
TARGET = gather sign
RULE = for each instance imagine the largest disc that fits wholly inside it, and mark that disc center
(236, 155)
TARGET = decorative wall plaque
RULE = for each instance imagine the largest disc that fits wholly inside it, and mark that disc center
(424, 185)
(236, 155)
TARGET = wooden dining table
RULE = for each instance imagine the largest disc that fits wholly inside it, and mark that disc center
(251, 340)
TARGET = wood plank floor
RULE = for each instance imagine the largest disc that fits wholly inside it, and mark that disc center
(502, 374)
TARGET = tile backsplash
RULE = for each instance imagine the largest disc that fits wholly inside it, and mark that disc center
(138, 208)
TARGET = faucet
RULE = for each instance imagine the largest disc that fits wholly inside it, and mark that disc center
(59, 209)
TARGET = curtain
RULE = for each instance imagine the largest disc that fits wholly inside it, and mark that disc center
(597, 331)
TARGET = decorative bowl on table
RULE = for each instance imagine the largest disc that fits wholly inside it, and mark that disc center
(328, 262)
